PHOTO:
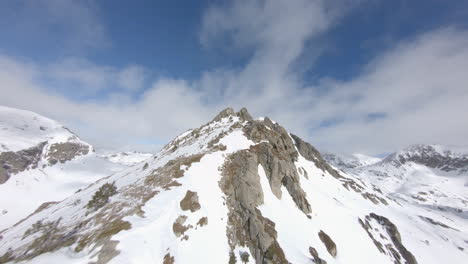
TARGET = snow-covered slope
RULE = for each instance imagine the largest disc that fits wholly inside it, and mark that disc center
(429, 176)
(41, 161)
(235, 190)
(126, 158)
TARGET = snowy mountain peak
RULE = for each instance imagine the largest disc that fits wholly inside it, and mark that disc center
(29, 141)
(21, 129)
(444, 158)
(234, 190)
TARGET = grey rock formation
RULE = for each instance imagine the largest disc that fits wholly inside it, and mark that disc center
(276, 153)
(15, 162)
(277, 156)
(190, 202)
(247, 227)
(224, 113)
(63, 152)
(328, 242)
(313, 252)
(243, 114)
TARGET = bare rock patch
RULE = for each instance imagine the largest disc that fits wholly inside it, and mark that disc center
(190, 202)
(328, 242)
(178, 227)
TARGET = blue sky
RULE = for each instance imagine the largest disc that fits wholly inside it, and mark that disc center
(356, 73)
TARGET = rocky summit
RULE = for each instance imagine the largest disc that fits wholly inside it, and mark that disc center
(237, 189)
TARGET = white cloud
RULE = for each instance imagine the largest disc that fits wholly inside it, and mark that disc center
(80, 73)
(419, 86)
(132, 77)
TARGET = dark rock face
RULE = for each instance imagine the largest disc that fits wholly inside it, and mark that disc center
(15, 162)
(328, 242)
(243, 114)
(277, 156)
(276, 153)
(190, 202)
(312, 154)
(313, 252)
(178, 227)
(247, 226)
(306, 150)
(168, 259)
(62, 152)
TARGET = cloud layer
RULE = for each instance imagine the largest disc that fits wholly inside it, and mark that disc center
(414, 92)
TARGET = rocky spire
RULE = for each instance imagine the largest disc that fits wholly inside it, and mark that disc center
(225, 113)
(243, 114)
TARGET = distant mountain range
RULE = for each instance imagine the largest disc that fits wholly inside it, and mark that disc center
(237, 189)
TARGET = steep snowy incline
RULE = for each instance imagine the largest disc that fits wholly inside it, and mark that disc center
(234, 190)
(41, 161)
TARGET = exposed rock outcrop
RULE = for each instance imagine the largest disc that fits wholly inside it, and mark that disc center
(178, 227)
(328, 242)
(243, 114)
(313, 252)
(63, 152)
(190, 202)
(168, 259)
(15, 162)
(276, 153)
(247, 227)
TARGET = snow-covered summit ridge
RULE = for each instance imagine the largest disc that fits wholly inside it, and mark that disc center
(29, 141)
(22, 129)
